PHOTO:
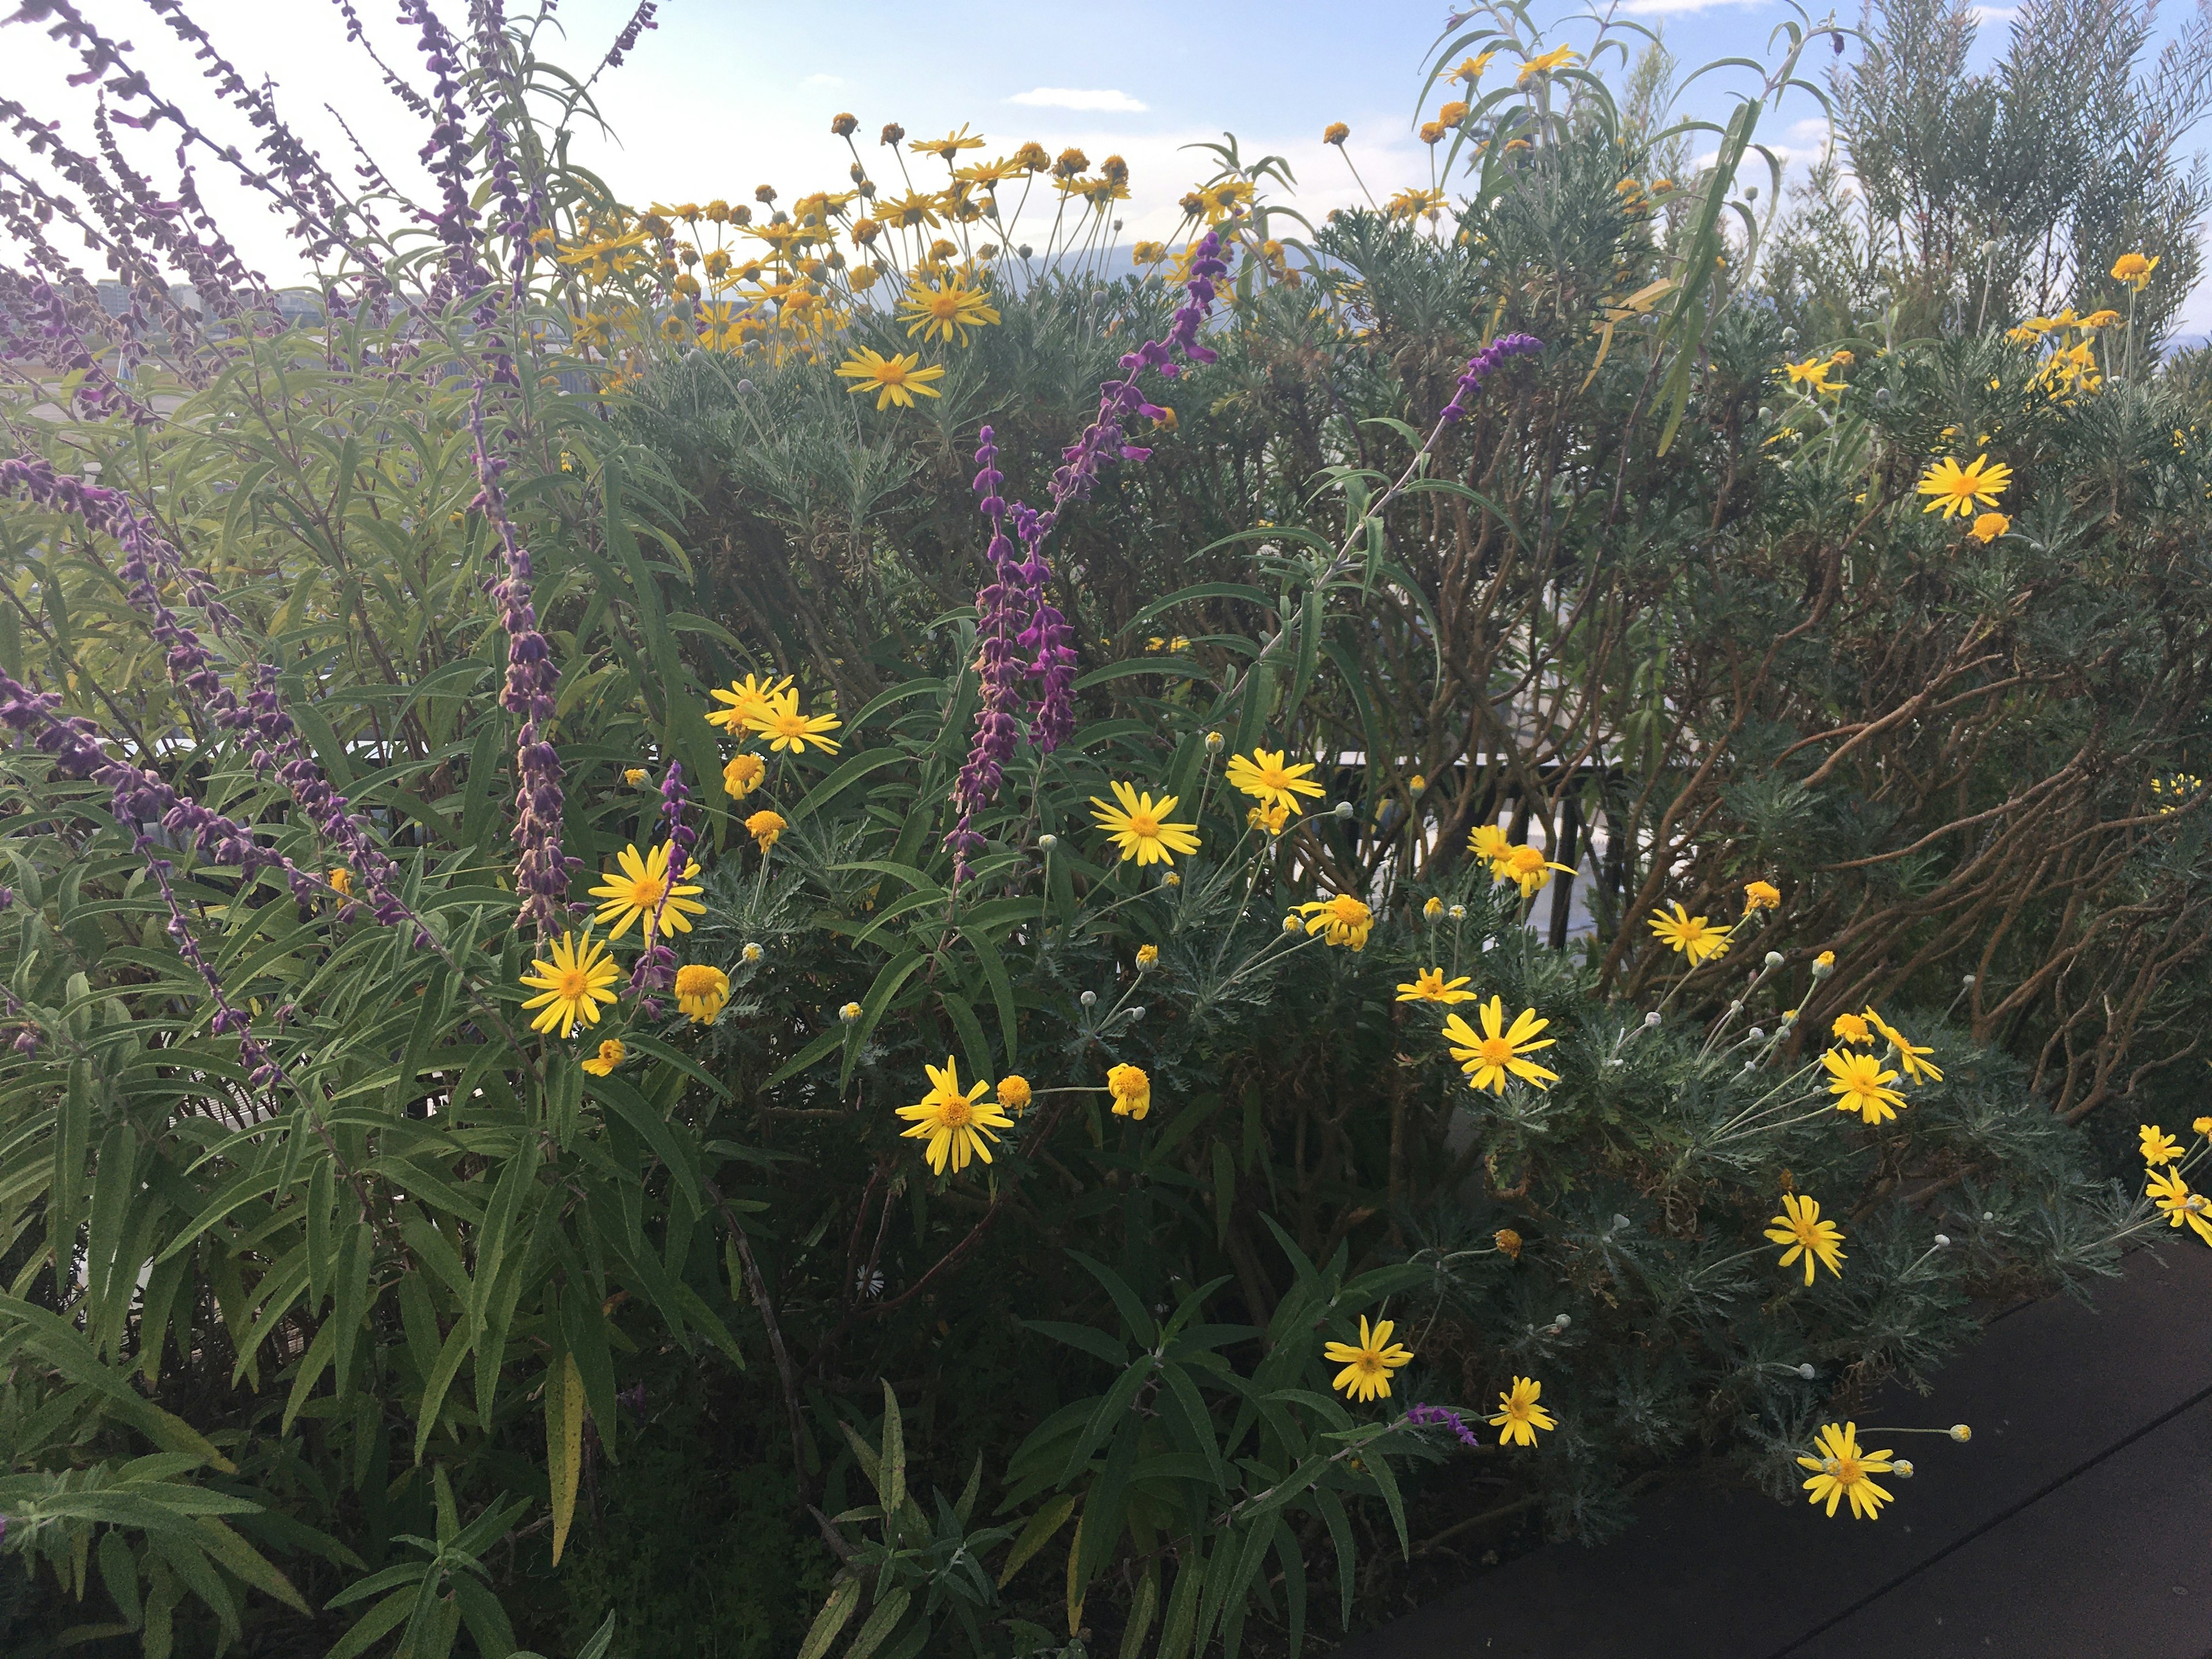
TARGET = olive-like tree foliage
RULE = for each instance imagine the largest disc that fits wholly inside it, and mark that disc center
(346, 1312)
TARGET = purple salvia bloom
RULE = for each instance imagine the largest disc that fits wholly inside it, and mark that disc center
(1443, 1417)
(541, 874)
(143, 798)
(271, 740)
(1019, 596)
(656, 963)
(1480, 367)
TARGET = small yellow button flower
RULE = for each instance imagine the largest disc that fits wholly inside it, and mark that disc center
(1132, 1091)
(701, 992)
(1761, 895)
(743, 775)
(766, 827)
(1013, 1093)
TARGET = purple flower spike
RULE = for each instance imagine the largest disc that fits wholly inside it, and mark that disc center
(656, 963)
(1021, 635)
(1480, 367)
(1443, 1417)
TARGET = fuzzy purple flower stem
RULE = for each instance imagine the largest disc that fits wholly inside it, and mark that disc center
(1022, 636)
(271, 740)
(542, 871)
(1481, 366)
(1443, 1417)
(656, 963)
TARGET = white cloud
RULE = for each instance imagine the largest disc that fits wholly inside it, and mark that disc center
(823, 81)
(1107, 99)
(1669, 8)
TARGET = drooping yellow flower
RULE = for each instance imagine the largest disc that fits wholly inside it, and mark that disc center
(780, 721)
(1139, 826)
(638, 888)
(1430, 984)
(1335, 133)
(1801, 1228)
(1761, 895)
(1490, 1055)
(951, 145)
(2133, 269)
(946, 311)
(1367, 1367)
(1861, 1085)
(341, 880)
(1953, 489)
(2177, 1204)
(634, 777)
(1519, 1416)
(572, 986)
(2158, 1146)
(1987, 526)
(1132, 1091)
(701, 992)
(745, 698)
(743, 775)
(1273, 819)
(954, 1122)
(2203, 1126)
(1341, 920)
(1544, 64)
(1527, 868)
(1691, 936)
(1148, 956)
(1813, 373)
(1508, 1242)
(765, 826)
(1851, 1028)
(894, 379)
(1913, 1061)
(1262, 776)
(612, 1054)
(1013, 1092)
(1841, 1470)
(1490, 844)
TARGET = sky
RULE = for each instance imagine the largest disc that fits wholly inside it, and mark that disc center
(728, 95)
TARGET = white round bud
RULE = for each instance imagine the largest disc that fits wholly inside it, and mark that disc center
(1962, 1432)
(850, 1013)
(1902, 1468)
(1807, 1372)
(1774, 958)
(1215, 743)
(1089, 999)
(1942, 1241)
(1756, 1032)
(752, 952)
(1344, 809)
(1048, 841)
(1650, 1019)
(1136, 1013)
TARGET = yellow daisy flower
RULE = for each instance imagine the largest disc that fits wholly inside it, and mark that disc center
(1953, 489)
(745, 698)
(1367, 1366)
(1528, 868)
(2158, 1146)
(1262, 776)
(1912, 1059)
(1861, 1085)
(894, 379)
(1761, 895)
(701, 992)
(1490, 1055)
(1430, 984)
(1691, 936)
(1139, 826)
(572, 986)
(636, 889)
(955, 1122)
(1841, 1470)
(945, 311)
(612, 1054)
(1132, 1091)
(1519, 1416)
(1341, 920)
(786, 728)
(1801, 1228)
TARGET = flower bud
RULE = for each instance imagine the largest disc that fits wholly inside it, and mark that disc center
(1089, 999)
(1961, 1432)
(850, 1013)
(1291, 924)
(1902, 1468)
(1968, 983)
(1137, 1013)
(1459, 913)
(1214, 742)
(752, 952)
(1650, 1019)
(1756, 1032)
(1774, 958)
(1942, 1241)
(1807, 1372)
(1048, 841)
(1344, 809)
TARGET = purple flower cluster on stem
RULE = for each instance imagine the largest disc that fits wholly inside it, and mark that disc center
(1480, 367)
(1023, 637)
(656, 963)
(142, 799)
(270, 739)
(541, 873)
(1443, 1417)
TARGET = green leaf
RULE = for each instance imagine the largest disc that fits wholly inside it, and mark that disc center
(1035, 1535)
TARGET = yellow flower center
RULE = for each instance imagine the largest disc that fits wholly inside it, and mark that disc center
(1847, 1472)
(943, 305)
(1495, 1050)
(1144, 825)
(644, 891)
(573, 984)
(956, 1113)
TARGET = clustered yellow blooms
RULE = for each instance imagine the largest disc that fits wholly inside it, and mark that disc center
(2165, 1186)
(2178, 788)
(1860, 1083)
(1524, 866)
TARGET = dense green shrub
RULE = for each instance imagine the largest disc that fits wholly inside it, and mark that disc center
(343, 1315)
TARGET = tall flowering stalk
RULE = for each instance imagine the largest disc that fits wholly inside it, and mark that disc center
(142, 799)
(270, 739)
(656, 963)
(541, 873)
(1015, 612)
